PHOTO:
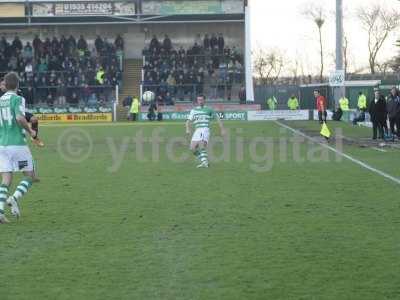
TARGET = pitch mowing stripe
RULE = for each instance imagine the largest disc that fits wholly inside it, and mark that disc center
(354, 160)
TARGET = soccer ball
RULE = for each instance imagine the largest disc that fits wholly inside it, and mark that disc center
(148, 96)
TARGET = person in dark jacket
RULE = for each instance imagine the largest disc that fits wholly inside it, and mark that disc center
(221, 43)
(214, 42)
(152, 111)
(167, 44)
(242, 95)
(393, 111)
(377, 110)
(206, 42)
(337, 115)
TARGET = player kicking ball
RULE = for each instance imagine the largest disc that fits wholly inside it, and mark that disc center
(200, 117)
(15, 155)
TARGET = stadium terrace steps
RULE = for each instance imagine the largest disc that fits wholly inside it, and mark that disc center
(132, 77)
(122, 113)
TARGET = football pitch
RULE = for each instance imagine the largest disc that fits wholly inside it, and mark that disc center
(121, 212)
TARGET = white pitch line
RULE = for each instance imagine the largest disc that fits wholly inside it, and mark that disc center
(354, 160)
(379, 149)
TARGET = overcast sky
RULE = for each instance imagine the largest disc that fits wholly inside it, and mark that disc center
(281, 25)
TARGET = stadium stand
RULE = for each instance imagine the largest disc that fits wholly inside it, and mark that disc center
(66, 70)
(176, 74)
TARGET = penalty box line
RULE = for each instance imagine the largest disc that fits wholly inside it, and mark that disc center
(352, 159)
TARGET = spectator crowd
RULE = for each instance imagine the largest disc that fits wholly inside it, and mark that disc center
(64, 71)
(381, 111)
(179, 73)
(384, 112)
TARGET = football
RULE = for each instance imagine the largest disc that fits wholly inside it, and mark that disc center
(148, 96)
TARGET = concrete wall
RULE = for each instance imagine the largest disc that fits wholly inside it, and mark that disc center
(136, 35)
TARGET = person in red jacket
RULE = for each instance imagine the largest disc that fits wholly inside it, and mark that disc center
(322, 105)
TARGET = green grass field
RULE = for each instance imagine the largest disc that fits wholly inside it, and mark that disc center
(292, 224)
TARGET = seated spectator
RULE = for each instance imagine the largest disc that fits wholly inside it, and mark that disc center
(168, 99)
(85, 92)
(196, 50)
(12, 64)
(73, 99)
(92, 100)
(49, 100)
(42, 67)
(28, 51)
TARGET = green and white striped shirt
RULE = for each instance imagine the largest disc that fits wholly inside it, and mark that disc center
(201, 116)
(11, 133)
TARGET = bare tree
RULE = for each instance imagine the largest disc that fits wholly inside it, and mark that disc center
(383, 68)
(294, 70)
(316, 13)
(268, 65)
(379, 22)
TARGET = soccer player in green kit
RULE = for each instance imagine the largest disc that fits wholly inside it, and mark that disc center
(201, 116)
(15, 155)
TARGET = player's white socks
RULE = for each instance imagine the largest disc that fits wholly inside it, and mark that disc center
(203, 156)
(3, 197)
(22, 188)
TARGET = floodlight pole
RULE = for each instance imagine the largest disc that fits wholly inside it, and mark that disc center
(248, 62)
(339, 35)
(339, 91)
